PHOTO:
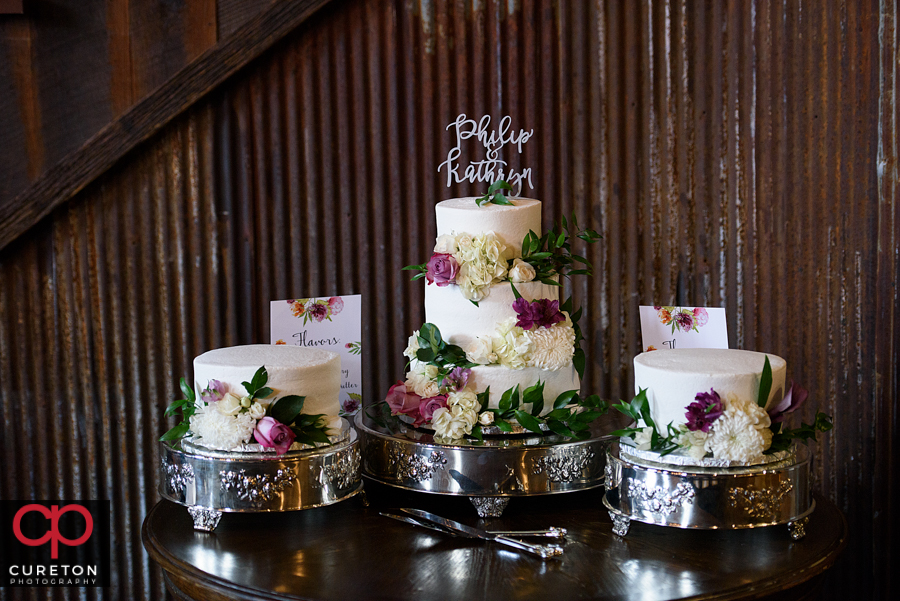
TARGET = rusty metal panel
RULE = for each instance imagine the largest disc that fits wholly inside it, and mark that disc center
(732, 154)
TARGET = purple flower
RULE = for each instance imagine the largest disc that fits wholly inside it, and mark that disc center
(706, 408)
(685, 321)
(401, 401)
(441, 269)
(318, 312)
(428, 406)
(272, 434)
(350, 405)
(456, 379)
(214, 391)
(795, 397)
(537, 313)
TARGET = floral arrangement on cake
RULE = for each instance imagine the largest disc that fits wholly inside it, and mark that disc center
(316, 309)
(222, 419)
(436, 391)
(685, 319)
(725, 427)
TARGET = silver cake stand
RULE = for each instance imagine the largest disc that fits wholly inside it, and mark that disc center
(489, 474)
(211, 483)
(708, 498)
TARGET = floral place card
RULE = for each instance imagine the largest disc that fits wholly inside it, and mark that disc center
(666, 328)
(330, 323)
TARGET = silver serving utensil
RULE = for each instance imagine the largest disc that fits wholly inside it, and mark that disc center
(552, 532)
(542, 551)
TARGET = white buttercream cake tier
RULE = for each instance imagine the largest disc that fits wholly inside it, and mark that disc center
(510, 223)
(460, 321)
(500, 379)
(311, 373)
(674, 378)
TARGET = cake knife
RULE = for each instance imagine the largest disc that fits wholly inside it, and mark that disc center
(552, 532)
(542, 551)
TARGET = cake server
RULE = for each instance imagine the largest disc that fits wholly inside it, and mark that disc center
(552, 532)
(542, 551)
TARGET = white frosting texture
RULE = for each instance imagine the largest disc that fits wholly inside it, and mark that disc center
(460, 321)
(501, 379)
(673, 378)
(509, 223)
(311, 373)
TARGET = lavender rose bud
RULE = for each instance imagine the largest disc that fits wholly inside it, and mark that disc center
(456, 379)
(272, 434)
(442, 269)
(214, 391)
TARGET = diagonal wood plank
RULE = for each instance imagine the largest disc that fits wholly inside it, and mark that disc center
(64, 180)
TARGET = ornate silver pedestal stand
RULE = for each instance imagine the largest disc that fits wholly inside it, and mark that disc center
(212, 483)
(709, 498)
(489, 474)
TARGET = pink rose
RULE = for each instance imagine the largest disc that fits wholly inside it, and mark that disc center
(401, 401)
(700, 316)
(428, 406)
(272, 434)
(441, 269)
(337, 304)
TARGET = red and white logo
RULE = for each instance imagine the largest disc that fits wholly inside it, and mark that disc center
(53, 534)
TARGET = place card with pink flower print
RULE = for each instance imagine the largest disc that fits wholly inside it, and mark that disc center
(669, 327)
(332, 323)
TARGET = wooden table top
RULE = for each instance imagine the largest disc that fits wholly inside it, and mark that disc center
(349, 551)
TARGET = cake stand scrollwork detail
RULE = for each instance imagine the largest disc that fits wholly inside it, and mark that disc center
(177, 476)
(658, 499)
(257, 489)
(205, 518)
(797, 528)
(620, 524)
(565, 466)
(417, 467)
(489, 507)
(759, 503)
(343, 471)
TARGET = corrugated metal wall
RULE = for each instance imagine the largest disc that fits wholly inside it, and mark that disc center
(732, 154)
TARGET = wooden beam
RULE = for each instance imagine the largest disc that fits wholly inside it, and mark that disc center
(11, 7)
(71, 175)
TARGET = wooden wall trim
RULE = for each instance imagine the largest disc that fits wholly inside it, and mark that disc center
(64, 180)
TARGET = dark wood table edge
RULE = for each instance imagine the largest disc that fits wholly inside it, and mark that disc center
(176, 570)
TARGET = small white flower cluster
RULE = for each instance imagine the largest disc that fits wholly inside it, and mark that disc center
(483, 260)
(740, 434)
(514, 347)
(422, 379)
(228, 423)
(459, 416)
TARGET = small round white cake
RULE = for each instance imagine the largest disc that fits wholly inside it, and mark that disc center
(674, 378)
(511, 223)
(311, 373)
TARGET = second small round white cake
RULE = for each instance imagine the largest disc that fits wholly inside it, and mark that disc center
(311, 373)
(673, 378)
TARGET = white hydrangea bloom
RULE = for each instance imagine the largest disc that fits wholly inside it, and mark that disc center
(483, 260)
(224, 432)
(511, 345)
(463, 398)
(412, 345)
(742, 433)
(481, 351)
(553, 347)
